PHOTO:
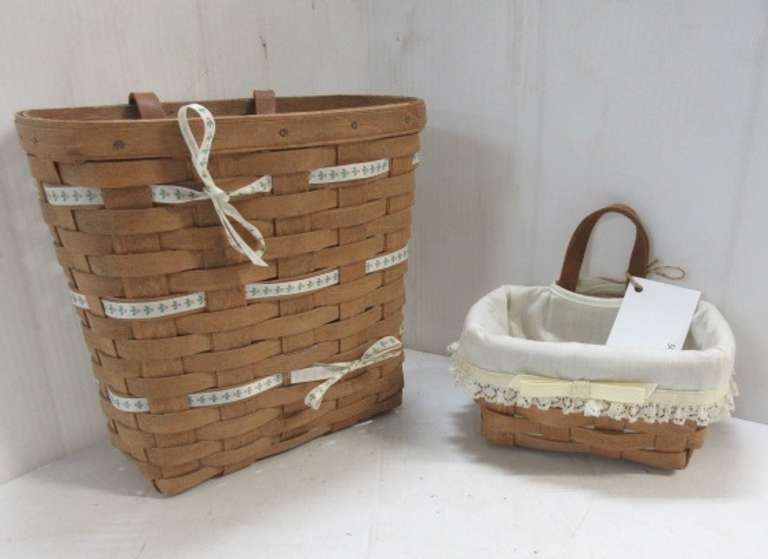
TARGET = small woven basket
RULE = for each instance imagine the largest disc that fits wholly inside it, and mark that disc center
(195, 347)
(540, 385)
(660, 445)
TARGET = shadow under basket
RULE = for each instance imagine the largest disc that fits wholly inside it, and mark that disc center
(665, 446)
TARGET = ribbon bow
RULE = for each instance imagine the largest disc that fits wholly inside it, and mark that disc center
(533, 386)
(219, 197)
(383, 349)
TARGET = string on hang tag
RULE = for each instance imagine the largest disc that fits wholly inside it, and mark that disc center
(674, 273)
(219, 197)
(655, 268)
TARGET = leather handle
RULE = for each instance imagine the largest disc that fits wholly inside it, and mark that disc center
(264, 101)
(148, 104)
(577, 247)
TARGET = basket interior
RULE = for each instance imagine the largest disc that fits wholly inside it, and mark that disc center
(553, 314)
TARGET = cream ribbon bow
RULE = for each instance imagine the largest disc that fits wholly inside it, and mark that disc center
(534, 386)
(383, 349)
(219, 197)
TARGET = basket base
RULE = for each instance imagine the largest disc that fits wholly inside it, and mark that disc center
(289, 430)
(660, 445)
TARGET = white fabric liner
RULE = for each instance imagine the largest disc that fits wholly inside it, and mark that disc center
(553, 332)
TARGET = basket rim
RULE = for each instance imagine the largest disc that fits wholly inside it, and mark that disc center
(41, 115)
(48, 134)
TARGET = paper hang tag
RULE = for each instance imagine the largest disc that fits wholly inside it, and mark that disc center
(656, 317)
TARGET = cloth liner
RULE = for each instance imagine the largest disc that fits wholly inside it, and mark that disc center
(545, 346)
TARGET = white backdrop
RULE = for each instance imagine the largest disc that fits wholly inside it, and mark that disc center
(542, 112)
(538, 114)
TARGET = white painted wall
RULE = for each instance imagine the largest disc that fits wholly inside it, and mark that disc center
(540, 112)
(95, 52)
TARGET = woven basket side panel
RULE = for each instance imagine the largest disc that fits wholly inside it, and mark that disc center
(660, 445)
(135, 249)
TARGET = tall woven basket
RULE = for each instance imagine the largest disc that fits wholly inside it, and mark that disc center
(224, 328)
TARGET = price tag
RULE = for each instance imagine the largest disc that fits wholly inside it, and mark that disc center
(654, 315)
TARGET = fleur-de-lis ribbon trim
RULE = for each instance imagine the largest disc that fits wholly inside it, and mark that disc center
(138, 309)
(230, 395)
(219, 197)
(383, 349)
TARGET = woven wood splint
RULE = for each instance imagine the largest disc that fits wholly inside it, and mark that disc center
(537, 365)
(192, 344)
(660, 445)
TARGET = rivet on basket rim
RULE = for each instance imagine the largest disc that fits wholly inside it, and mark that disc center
(354, 124)
(283, 132)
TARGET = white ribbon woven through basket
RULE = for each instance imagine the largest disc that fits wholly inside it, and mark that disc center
(381, 350)
(202, 399)
(175, 194)
(169, 306)
(220, 198)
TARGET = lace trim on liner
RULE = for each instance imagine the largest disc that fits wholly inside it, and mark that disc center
(651, 412)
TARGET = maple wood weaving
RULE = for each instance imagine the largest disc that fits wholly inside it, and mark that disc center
(661, 445)
(536, 361)
(192, 344)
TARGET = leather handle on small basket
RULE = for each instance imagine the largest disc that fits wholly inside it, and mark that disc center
(147, 104)
(577, 247)
(264, 101)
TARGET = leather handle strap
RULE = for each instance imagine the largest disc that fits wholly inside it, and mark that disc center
(264, 101)
(148, 104)
(577, 247)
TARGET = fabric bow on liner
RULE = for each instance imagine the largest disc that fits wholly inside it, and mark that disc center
(383, 349)
(534, 386)
(219, 197)
(537, 386)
